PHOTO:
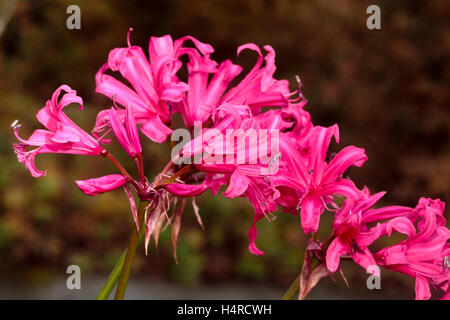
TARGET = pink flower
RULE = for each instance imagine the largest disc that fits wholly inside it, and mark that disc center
(62, 134)
(127, 135)
(424, 255)
(258, 89)
(352, 234)
(309, 180)
(154, 85)
(96, 186)
(244, 178)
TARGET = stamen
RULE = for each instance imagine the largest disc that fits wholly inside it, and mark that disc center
(103, 135)
(15, 125)
(446, 263)
(128, 37)
(274, 158)
(302, 197)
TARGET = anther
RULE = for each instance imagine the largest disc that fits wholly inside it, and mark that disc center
(104, 152)
(446, 262)
(15, 125)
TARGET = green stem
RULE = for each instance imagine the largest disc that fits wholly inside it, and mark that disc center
(115, 273)
(118, 268)
(129, 257)
(112, 279)
(293, 289)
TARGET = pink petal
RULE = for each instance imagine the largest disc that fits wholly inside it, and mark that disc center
(310, 211)
(422, 288)
(185, 190)
(349, 156)
(155, 129)
(237, 186)
(252, 234)
(336, 249)
(96, 186)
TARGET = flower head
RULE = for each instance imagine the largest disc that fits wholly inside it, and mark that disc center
(62, 134)
(424, 255)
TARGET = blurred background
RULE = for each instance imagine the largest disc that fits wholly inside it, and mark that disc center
(387, 89)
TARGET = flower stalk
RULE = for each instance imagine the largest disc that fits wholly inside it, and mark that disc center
(129, 256)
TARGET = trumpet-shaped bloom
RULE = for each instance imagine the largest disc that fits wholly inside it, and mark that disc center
(62, 134)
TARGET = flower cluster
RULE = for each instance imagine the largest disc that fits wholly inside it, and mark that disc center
(302, 176)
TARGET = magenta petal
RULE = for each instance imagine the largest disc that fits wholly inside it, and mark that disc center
(237, 186)
(422, 288)
(343, 160)
(27, 158)
(320, 141)
(386, 213)
(252, 234)
(65, 134)
(310, 211)
(343, 187)
(96, 186)
(126, 133)
(155, 129)
(366, 260)
(336, 249)
(185, 190)
(122, 94)
(402, 225)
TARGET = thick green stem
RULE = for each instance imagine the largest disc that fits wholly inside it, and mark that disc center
(293, 289)
(129, 257)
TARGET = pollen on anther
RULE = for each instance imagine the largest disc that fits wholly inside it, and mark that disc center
(446, 262)
(15, 124)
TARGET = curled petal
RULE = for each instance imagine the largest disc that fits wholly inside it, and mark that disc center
(252, 234)
(343, 160)
(402, 225)
(27, 158)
